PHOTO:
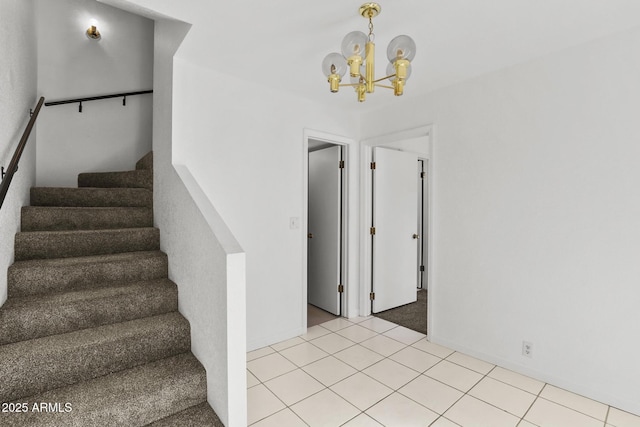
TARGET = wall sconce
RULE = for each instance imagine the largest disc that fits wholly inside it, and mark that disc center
(92, 31)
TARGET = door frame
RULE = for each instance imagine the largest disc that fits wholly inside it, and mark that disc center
(350, 242)
(393, 140)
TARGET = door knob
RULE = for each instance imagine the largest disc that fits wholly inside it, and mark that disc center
(416, 236)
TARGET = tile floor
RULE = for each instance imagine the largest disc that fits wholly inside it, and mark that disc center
(369, 372)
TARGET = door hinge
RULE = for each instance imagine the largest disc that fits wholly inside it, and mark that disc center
(373, 165)
(422, 268)
(372, 231)
(372, 296)
(341, 164)
(341, 288)
(422, 175)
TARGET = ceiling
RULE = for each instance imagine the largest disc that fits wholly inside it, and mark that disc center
(282, 43)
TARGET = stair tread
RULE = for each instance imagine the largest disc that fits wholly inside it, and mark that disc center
(91, 196)
(146, 162)
(33, 366)
(35, 316)
(38, 276)
(197, 416)
(58, 218)
(73, 243)
(139, 178)
(132, 397)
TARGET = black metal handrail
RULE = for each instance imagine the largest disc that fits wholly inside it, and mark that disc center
(13, 165)
(96, 98)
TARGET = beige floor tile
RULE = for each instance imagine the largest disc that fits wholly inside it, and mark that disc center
(315, 332)
(332, 343)
(404, 335)
(383, 345)
(398, 410)
(443, 422)
(359, 357)
(361, 391)
(286, 417)
(545, 413)
(325, 409)
(472, 363)
(620, 418)
(363, 420)
(524, 423)
(303, 354)
(575, 401)
(390, 373)
(261, 403)
(286, 344)
(271, 366)
(431, 393)
(329, 370)
(378, 325)
(294, 386)
(357, 333)
(504, 396)
(251, 380)
(336, 324)
(470, 411)
(255, 354)
(435, 349)
(517, 380)
(415, 359)
(359, 319)
(454, 375)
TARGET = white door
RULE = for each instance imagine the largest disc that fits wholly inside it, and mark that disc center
(396, 236)
(324, 242)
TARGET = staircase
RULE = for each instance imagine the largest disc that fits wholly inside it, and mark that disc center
(90, 334)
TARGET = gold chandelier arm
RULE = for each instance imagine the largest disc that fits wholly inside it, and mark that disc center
(349, 85)
(385, 86)
(383, 78)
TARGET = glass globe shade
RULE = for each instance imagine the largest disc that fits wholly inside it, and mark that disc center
(354, 44)
(334, 63)
(401, 47)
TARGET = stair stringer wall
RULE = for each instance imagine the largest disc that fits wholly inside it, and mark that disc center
(205, 260)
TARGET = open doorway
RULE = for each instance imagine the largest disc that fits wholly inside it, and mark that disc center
(326, 231)
(408, 155)
(410, 312)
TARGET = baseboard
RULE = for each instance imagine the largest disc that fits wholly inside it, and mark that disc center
(581, 389)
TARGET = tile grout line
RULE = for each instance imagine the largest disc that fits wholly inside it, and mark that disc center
(531, 406)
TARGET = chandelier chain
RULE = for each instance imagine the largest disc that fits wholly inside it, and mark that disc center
(371, 35)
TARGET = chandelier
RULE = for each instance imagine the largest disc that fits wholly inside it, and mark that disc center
(358, 55)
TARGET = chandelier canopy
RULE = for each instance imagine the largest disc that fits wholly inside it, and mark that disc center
(358, 56)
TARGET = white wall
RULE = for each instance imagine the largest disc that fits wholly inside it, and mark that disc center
(536, 216)
(244, 145)
(106, 136)
(18, 88)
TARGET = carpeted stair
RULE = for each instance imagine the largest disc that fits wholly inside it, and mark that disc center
(90, 333)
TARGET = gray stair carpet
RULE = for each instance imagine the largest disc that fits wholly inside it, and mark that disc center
(90, 334)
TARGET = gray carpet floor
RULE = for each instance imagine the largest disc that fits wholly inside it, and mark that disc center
(412, 316)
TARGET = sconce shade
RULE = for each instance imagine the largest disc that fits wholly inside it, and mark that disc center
(92, 31)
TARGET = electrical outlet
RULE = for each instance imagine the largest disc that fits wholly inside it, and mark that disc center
(527, 349)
